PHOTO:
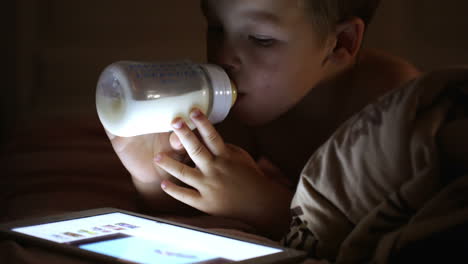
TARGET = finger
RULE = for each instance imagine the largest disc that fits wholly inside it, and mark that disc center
(184, 173)
(175, 143)
(199, 154)
(119, 143)
(212, 139)
(179, 152)
(109, 134)
(185, 195)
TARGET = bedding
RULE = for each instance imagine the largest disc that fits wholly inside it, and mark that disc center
(391, 184)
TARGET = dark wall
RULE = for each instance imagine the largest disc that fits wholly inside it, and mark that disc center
(430, 33)
(64, 45)
(7, 68)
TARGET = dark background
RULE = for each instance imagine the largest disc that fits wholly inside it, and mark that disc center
(54, 50)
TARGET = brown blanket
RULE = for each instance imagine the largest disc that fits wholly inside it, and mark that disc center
(391, 184)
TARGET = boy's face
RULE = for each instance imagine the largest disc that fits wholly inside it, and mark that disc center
(270, 50)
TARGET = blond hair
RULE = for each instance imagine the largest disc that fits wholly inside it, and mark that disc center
(326, 14)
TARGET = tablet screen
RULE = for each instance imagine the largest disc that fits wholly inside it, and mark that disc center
(140, 240)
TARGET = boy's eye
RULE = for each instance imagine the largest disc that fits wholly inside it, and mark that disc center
(262, 41)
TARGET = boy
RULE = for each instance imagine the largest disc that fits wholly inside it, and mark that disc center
(300, 73)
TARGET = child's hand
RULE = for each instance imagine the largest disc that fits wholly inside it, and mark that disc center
(137, 155)
(226, 180)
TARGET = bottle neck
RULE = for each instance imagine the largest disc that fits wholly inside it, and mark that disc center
(224, 92)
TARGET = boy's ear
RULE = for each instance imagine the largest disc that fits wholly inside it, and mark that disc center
(347, 41)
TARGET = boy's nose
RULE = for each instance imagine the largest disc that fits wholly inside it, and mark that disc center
(225, 55)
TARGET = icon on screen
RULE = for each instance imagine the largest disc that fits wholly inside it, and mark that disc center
(71, 234)
(98, 229)
(127, 225)
(114, 227)
(84, 231)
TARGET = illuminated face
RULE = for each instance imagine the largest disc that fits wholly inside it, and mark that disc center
(270, 50)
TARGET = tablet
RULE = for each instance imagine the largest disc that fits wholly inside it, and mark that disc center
(118, 236)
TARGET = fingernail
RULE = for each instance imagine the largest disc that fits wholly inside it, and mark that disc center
(178, 146)
(164, 184)
(196, 113)
(158, 158)
(178, 124)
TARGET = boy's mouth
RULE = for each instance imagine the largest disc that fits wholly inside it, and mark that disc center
(240, 95)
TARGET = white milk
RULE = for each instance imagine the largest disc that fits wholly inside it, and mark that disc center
(133, 117)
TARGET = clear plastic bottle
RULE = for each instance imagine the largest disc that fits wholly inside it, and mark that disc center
(135, 98)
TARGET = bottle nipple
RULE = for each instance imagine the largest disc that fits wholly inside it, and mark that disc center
(233, 93)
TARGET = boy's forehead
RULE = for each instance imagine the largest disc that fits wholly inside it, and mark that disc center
(252, 7)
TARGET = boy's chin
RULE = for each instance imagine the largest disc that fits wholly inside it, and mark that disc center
(249, 119)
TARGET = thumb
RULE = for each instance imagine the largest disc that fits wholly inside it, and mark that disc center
(273, 172)
(109, 134)
(118, 143)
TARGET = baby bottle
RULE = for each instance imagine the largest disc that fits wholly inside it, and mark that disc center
(135, 98)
